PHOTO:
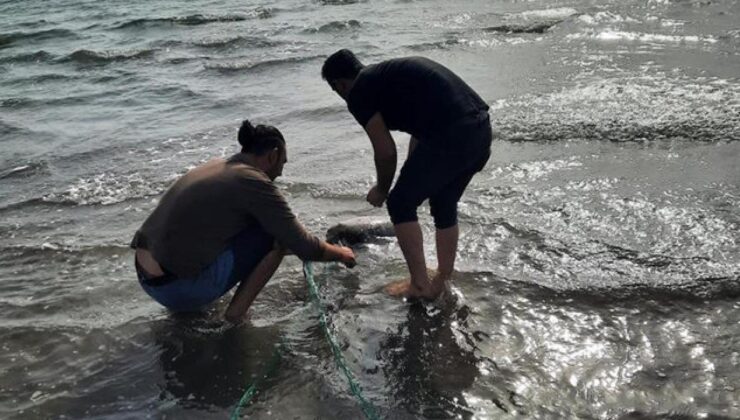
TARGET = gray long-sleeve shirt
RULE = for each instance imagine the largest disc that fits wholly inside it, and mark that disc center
(200, 214)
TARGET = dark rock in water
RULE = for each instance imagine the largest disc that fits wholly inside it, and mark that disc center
(532, 28)
(360, 229)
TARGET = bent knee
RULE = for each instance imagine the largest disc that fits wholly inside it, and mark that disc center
(400, 209)
(444, 215)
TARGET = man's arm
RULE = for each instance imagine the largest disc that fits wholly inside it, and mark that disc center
(343, 254)
(384, 149)
(412, 145)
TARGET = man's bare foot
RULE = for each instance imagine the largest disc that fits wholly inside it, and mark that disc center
(404, 288)
(401, 288)
(440, 283)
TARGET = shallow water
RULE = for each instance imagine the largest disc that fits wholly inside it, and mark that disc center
(599, 264)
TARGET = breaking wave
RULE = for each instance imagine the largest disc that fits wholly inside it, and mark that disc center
(623, 110)
(531, 28)
(336, 26)
(9, 39)
(237, 67)
(88, 57)
(107, 189)
(190, 20)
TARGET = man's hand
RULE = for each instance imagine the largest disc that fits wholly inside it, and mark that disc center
(234, 317)
(347, 256)
(375, 197)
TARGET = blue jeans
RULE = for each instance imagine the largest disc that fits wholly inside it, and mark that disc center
(185, 294)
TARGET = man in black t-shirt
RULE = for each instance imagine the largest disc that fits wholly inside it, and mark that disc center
(450, 141)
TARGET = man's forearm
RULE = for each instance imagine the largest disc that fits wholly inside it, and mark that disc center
(384, 151)
(386, 169)
(412, 145)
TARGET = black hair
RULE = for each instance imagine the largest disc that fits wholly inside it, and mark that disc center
(343, 64)
(260, 139)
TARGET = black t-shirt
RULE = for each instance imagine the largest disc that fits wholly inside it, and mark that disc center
(415, 95)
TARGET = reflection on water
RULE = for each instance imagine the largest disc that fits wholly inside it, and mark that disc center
(206, 364)
(429, 365)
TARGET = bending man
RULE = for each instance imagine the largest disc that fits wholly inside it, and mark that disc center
(225, 223)
(450, 141)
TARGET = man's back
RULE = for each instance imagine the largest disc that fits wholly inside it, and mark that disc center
(413, 94)
(205, 209)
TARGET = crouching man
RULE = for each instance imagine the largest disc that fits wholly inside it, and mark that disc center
(223, 224)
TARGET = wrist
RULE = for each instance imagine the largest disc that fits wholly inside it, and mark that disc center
(382, 190)
(331, 252)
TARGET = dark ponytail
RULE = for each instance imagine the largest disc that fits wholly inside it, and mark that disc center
(260, 139)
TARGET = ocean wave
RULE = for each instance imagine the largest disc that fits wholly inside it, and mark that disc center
(191, 20)
(735, 34)
(25, 102)
(339, 2)
(15, 253)
(609, 35)
(531, 28)
(34, 23)
(624, 110)
(25, 171)
(495, 42)
(438, 45)
(585, 233)
(36, 57)
(535, 170)
(335, 26)
(24, 81)
(224, 43)
(313, 114)
(41, 78)
(107, 189)
(620, 131)
(30, 203)
(337, 190)
(183, 60)
(605, 17)
(698, 290)
(237, 67)
(575, 248)
(88, 57)
(554, 13)
(240, 41)
(7, 128)
(8, 39)
(16, 102)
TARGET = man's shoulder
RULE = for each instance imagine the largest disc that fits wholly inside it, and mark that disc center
(243, 171)
(405, 67)
(410, 61)
(249, 173)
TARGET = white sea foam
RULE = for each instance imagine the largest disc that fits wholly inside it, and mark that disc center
(555, 13)
(605, 17)
(106, 189)
(537, 169)
(672, 23)
(611, 35)
(495, 42)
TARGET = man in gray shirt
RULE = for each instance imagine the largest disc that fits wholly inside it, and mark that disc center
(225, 223)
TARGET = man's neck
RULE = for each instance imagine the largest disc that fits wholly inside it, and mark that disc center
(255, 161)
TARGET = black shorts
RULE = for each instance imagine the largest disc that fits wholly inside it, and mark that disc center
(440, 174)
